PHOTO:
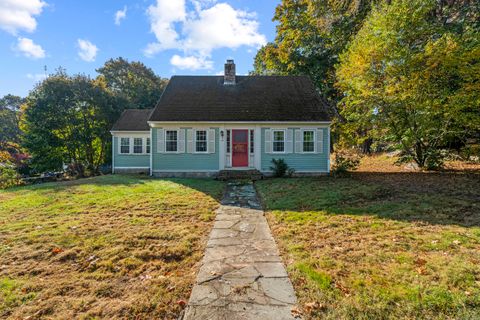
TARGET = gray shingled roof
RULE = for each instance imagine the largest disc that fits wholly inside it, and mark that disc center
(133, 120)
(252, 98)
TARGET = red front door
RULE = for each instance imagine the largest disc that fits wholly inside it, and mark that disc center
(240, 148)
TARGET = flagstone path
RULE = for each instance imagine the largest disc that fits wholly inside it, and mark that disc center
(242, 275)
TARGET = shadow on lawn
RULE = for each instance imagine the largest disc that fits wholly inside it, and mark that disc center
(435, 198)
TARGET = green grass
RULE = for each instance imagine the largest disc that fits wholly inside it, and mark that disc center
(105, 247)
(380, 246)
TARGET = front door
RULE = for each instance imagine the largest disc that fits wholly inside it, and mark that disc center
(240, 148)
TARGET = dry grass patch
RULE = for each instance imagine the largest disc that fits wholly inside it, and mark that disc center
(380, 245)
(108, 247)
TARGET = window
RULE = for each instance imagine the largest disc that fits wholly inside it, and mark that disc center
(278, 141)
(171, 141)
(201, 141)
(252, 146)
(228, 140)
(147, 146)
(137, 145)
(308, 141)
(124, 145)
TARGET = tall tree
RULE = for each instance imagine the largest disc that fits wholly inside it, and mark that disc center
(412, 76)
(9, 121)
(66, 120)
(134, 82)
(310, 36)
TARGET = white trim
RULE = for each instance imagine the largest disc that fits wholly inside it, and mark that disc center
(284, 140)
(128, 132)
(180, 170)
(131, 167)
(151, 151)
(129, 146)
(258, 147)
(239, 122)
(195, 140)
(328, 150)
(113, 154)
(298, 171)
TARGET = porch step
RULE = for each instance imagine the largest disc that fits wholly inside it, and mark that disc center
(239, 174)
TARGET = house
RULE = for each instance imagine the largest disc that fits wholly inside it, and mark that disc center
(205, 124)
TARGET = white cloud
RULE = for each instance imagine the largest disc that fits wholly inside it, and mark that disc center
(18, 15)
(209, 26)
(191, 62)
(30, 49)
(163, 17)
(37, 76)
(120, 15)
(88, 51)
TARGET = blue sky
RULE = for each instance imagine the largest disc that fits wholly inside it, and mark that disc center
(170, 36)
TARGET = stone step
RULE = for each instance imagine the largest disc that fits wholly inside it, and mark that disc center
(239, 174)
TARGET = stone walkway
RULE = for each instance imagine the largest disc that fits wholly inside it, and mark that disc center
(242, 275)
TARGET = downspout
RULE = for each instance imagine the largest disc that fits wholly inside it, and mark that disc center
(151, 152)
(113, 154)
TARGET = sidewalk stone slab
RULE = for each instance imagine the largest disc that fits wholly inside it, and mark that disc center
(242, 275)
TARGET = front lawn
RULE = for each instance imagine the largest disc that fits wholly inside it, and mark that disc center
(380, 245)
(106, 247)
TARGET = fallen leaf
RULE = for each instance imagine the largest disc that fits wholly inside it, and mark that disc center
(57, 250)
(181, 303)
(296, 312)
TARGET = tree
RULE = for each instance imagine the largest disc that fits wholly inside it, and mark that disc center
(412, 76)
(310, 36)
(134, 82)
(9, 121)
(67, 120)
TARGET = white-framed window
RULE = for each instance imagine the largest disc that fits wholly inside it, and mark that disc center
(252, 146)
(308, 141)
(278, 141)
(147, 145)
(201, 142)
(124, 145)
(171, 140)
(137, 145)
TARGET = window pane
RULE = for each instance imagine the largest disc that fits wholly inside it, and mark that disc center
(308, 141)
(278, 135)
(148, 146)
(278, 147)
(171, 141)
(278, 141)
(228, 141)
(252, 147)
(137, 145)
(201, 141)
(124, 145)
(240, 136)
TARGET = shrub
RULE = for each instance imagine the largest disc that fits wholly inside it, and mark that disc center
(281, 169)
(345, 161)
(471, 153)
(8, 176)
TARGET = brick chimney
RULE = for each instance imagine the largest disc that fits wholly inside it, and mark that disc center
(229, 78)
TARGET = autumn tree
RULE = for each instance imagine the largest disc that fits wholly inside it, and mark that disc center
(411, 76)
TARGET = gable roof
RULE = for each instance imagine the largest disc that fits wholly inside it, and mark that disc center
(252, 98)
(133, 120)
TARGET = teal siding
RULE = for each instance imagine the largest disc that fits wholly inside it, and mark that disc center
(301, 162)
(129, 160)
(185, 161)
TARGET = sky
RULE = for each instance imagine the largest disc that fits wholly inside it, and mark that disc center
(170, 36)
